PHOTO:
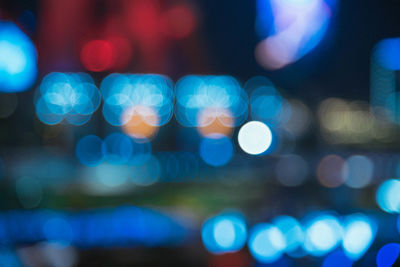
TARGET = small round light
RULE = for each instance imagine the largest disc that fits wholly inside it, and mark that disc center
(255, 137)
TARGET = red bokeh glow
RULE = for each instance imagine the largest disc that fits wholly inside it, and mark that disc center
(123, 51)
(178, 22)
(98, 55)
(143, 20)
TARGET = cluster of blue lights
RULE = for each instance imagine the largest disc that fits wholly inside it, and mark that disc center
(148, 95)
(199, 99)
(140, 103)
(69, 96)
(218, 95)
(18, 66)
(123, 226)
(318, 235)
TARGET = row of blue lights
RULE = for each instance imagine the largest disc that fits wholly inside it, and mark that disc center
(123, 93)
(123, 226)
(70, 95)
(318, 235)
(117, 148)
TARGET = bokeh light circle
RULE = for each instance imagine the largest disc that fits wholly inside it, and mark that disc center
(266, 243)
(337, 258)
(216, 151)
(322, 235)
(97, 55)
(255, 137)
(388, 196)
(224, 233)
(358, 235)
(387, 255)
(359, 171)
(331, 171)
(18, 59)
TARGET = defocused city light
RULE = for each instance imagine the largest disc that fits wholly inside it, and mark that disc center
(18, 66)
(216, 151)
(388, 196)
(359, 171)
(200, 100)
(139, 103)
(292, 232)
(332, 171)
(69, 96)
(296, 27)
(255, 137)
(358, 234)
(337, 258)
(322, 235)
(387, 255)
(266, 243)
(224, 233)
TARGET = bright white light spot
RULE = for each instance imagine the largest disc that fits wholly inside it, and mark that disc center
(255, 137)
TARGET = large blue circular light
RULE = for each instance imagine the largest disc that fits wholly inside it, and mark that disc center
(387, 255)
(266, 243)
(216, 151)
(358, 235)
(224, 233)
(18, 66)
(322, 235)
